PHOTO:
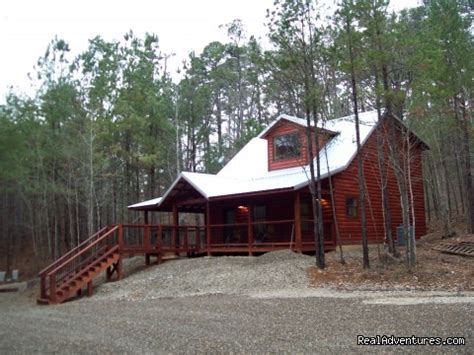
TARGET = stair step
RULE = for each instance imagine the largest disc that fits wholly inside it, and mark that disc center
(72, 283)
(77, 280)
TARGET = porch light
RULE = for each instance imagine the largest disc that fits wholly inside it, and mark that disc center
(323, 201)
(243, 208)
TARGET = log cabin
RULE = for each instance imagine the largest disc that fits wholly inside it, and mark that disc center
(261, 201)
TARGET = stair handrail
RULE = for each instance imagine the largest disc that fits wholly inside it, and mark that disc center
(72, 256)
(76, 255)
(70, 252)
(111, 251)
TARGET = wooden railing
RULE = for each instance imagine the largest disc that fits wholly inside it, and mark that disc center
(148, 239)
(139, 238)
(77, 258)
(239, 237)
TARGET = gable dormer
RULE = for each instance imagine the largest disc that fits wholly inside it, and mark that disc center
(287, 143)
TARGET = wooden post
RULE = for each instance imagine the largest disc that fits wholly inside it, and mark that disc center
(174, 233)
(119, 268)
(120, 238)
(159, 243)
(186, 247)
(119, 265)
(147, 244)
(43, 286)
(52, 288)
(146, 216)
(89, 289)
(208, 229)
(250, 228)
(297, 229)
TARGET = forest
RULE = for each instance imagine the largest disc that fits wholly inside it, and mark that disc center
(113, 126)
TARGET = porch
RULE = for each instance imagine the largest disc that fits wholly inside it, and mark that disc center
(240, 225)
(249, 224)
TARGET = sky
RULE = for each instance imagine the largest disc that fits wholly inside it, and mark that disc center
(27, 26)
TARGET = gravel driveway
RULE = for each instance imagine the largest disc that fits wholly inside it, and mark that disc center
(226, 323)
(231, 305)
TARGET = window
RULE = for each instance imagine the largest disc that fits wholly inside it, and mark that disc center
(351, 207)
(286, 146)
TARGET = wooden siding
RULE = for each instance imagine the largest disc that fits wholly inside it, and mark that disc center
(281, 206)
(346, 185)
(286, 127)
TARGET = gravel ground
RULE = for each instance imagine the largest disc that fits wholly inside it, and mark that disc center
(229, 275)
(227, 323)
(231, 304)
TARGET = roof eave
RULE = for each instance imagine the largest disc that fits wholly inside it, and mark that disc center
(182, 175)
(423, 144)
(251, 193)
(265, 132)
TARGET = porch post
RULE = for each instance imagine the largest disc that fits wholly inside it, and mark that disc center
(147, 243)
(208, 229)
(250, 228)
(119, 264)
(297, 229)
(174, 233)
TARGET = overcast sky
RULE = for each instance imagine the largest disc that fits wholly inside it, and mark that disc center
(27, 26)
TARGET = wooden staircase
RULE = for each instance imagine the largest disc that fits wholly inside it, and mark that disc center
(66, 277)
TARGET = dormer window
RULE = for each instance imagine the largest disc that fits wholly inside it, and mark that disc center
(287, 146)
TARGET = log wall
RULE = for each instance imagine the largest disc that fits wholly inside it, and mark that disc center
(346, 185)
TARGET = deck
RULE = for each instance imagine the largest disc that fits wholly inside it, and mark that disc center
(104, 251)
(254, 237)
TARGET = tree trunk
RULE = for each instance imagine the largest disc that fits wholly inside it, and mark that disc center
(387, 215)
(360, 172)
(461, 184)
(333, 208)
(463, 123)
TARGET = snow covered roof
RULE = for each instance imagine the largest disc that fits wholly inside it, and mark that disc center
(251, 162)
(150, 204)
(293, 119)
(248, 172)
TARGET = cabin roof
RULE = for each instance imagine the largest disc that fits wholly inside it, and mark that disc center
(296, 120)
(247, 172)
(150, 204)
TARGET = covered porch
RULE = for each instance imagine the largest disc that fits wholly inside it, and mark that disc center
(248, 223)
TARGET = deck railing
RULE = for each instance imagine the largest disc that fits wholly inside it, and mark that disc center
(74, 261)
(148, 239)
(239, 237)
